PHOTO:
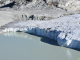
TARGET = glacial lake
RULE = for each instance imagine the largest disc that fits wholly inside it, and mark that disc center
(23, 46)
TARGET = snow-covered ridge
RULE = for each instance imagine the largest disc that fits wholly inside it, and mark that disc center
(66, 30)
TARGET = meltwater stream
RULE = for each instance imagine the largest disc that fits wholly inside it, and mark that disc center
(23, 46)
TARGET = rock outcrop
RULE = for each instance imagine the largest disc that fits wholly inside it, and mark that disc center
(68, 5)
(7, 3)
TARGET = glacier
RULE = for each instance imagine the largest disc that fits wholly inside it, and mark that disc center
(66, 30)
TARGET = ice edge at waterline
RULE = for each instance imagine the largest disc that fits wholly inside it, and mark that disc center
(66, 30)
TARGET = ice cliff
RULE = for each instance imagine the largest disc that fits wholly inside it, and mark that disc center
(66, 30)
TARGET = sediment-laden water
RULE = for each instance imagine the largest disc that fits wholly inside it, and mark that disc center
(23, 46)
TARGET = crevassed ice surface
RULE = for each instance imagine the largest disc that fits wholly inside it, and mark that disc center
(23, 46)
(66, 30)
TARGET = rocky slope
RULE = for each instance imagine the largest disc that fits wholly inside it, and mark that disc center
(46, 9)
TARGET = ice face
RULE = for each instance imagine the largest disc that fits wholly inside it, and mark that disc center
(65, 30)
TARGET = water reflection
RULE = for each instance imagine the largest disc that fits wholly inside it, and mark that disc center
(23, 46)
(21, 34)
(34, 37)
(31, 36)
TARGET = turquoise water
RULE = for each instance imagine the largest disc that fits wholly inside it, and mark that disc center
(23, 46)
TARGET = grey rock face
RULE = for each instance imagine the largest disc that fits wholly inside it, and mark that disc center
(6, 3)
(69, 5)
